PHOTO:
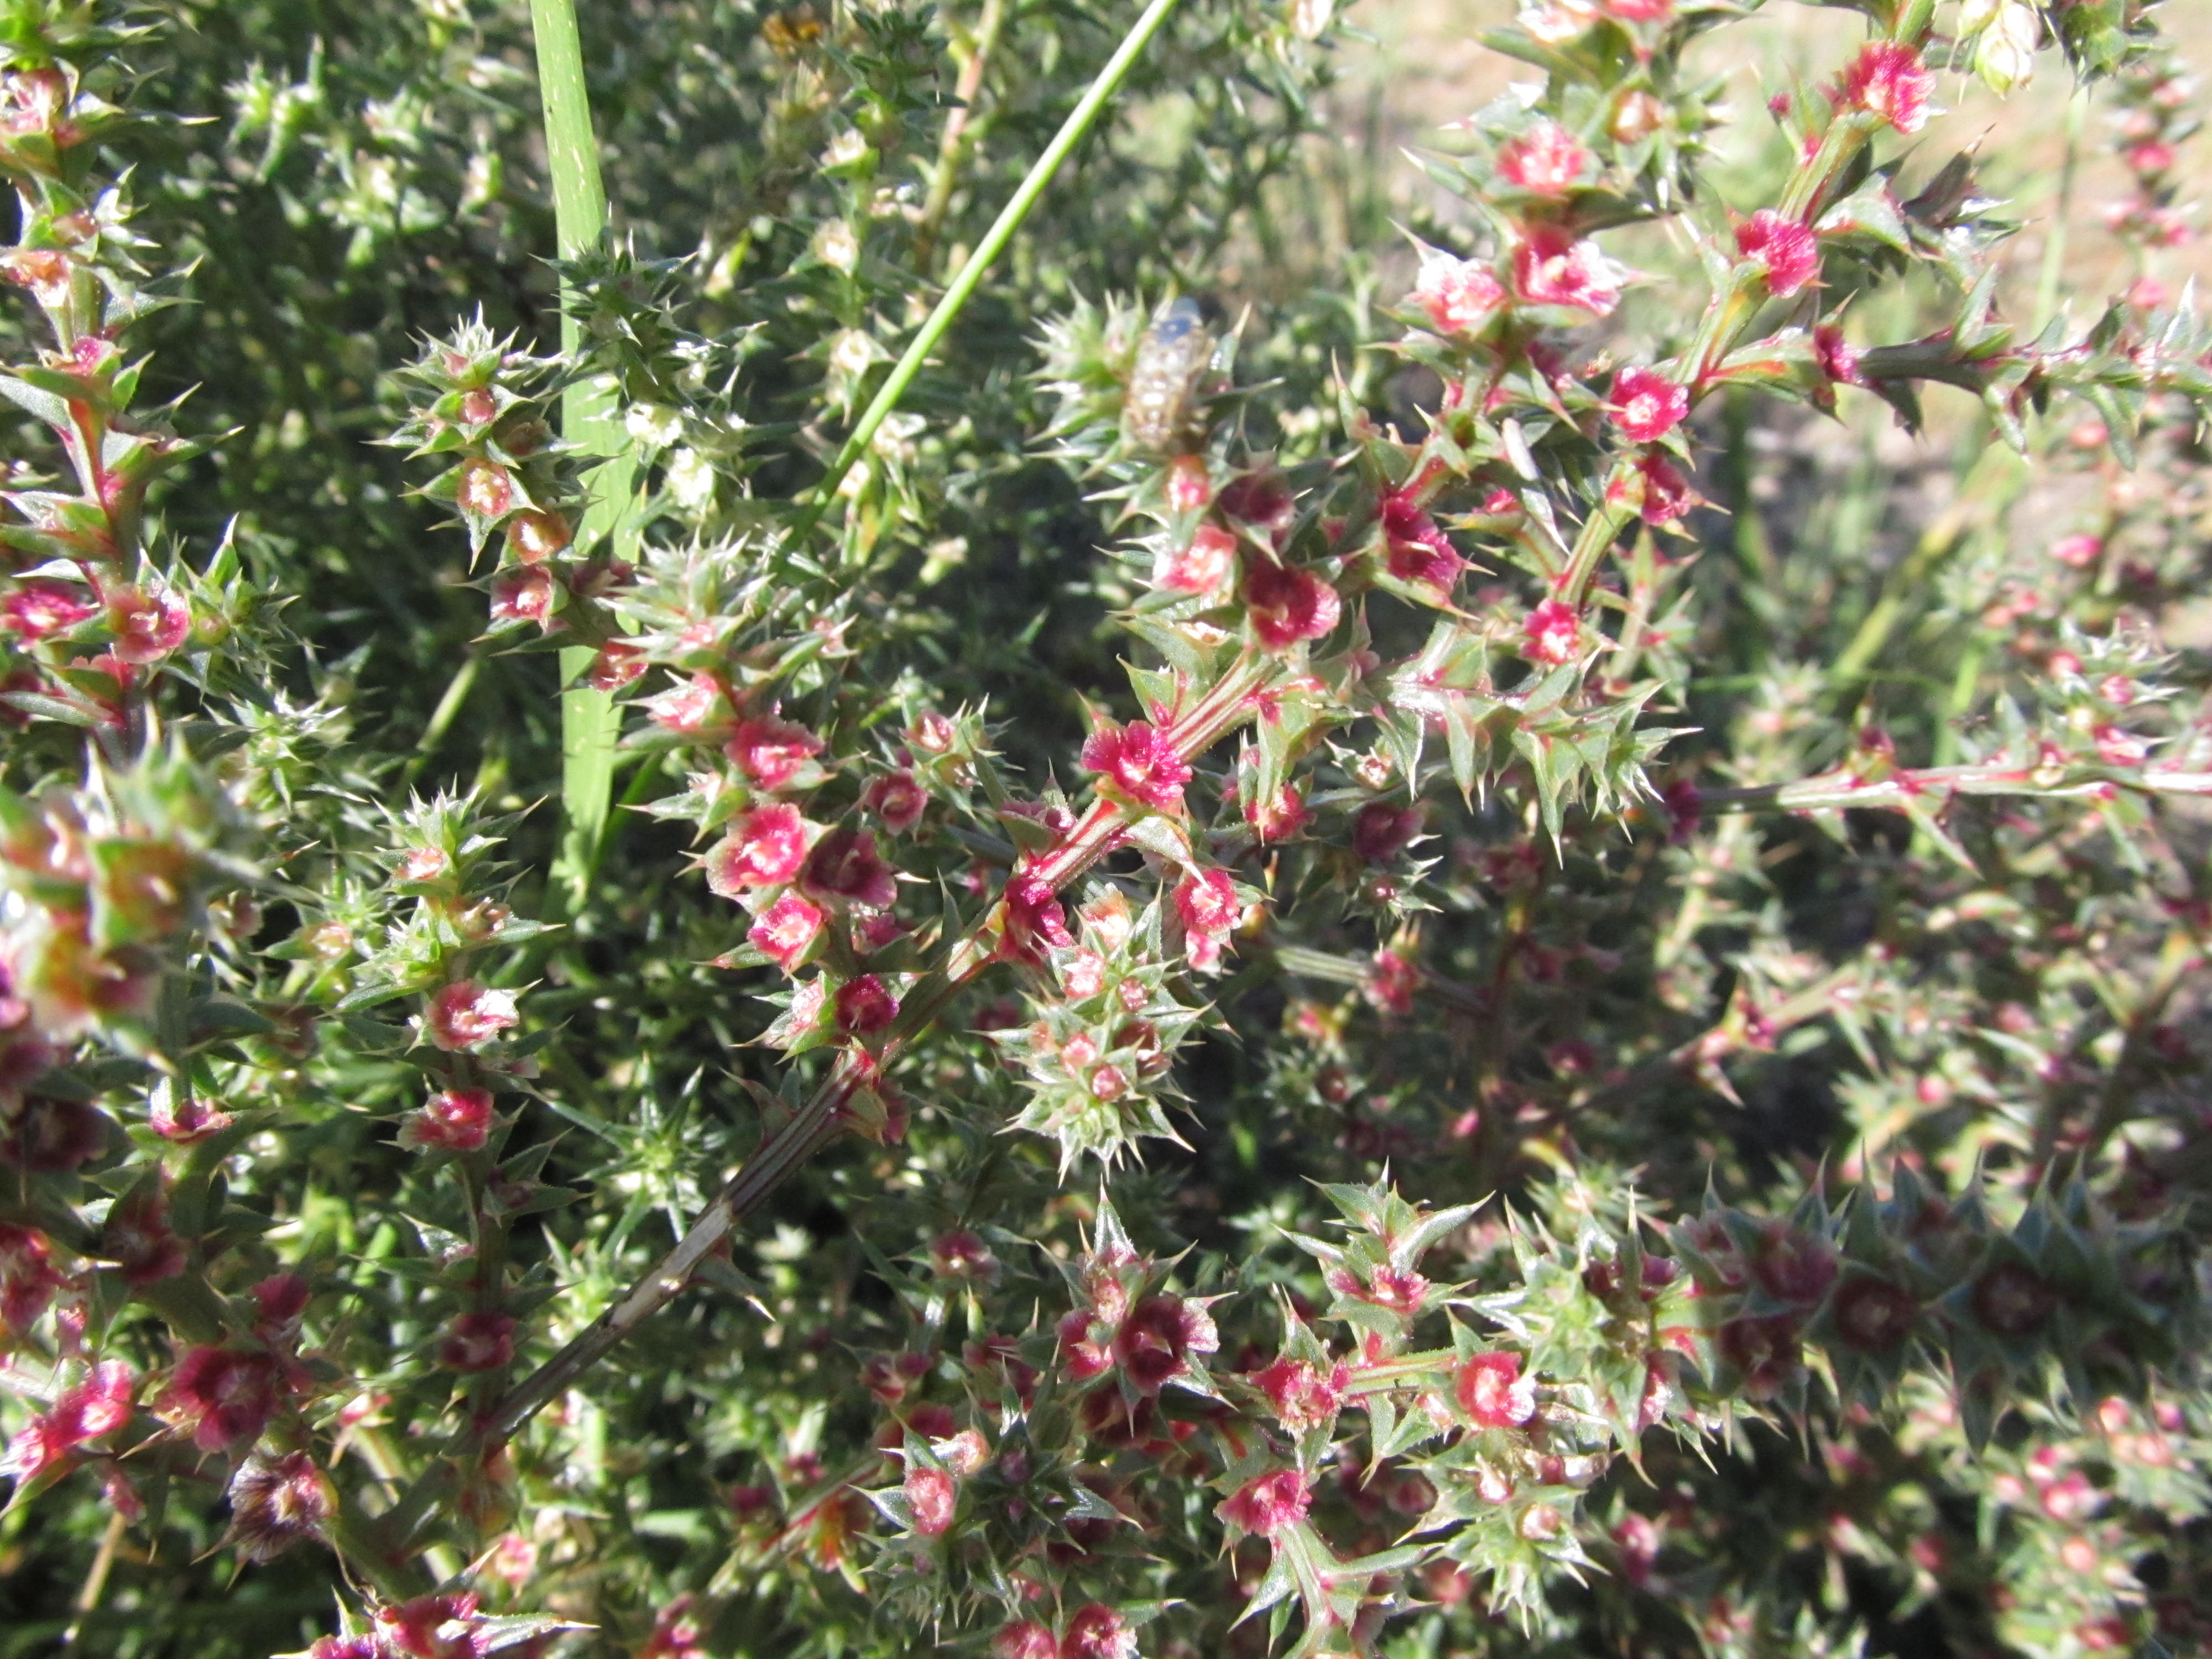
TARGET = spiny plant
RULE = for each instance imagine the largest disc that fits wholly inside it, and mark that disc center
(908, 927)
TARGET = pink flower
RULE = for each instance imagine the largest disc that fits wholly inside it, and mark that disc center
(843, 865)
(2118, 747)
(1300, 1395)
(1280, 819)
(1552, 268)
(2151, 159)
(617, 665)
(223, 1396)
(1027, 1640)
(1493, 1392)
(1552, 634)
(786, 930)
(537, 537)
(1646, 404)
(897, 800)
(689, 709)
(931, 1497)
(1839, 358)
(1888, 78)
(524, 593)
(1155, 1343)
(454, 1121)
(865, 1005)
(484, 489)
(38, 607)
(1207, 902)
(1789, 251)
(1380, 831)
(1418, 551)
(148, 626)
(98, 1406)
(765, 848)
(1138, 764)
(2080, 551)
(1097, 1632)
(466, 1015)
(1391, 981)
(1188, 485)
(1287, 605)
(1547, 158)
(478, 1341)
(771, 752)
(1203, 566)
(1640, 11)
(1460, 295)
(275, 1502)
(29, 1277)
(1657, 490)
(1268, 1504)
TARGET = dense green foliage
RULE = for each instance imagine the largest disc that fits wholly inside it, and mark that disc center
(1347, 956)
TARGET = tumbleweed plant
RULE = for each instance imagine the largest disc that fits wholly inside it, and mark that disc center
(864, 828)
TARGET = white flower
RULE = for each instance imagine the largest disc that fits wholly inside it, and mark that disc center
(654, 426)
(852, 353)
(835, 244)
(690, 479)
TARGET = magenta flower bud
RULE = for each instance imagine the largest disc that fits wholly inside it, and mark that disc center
(1889, 79)
(1551, 267)
(786, 930)
(1789, 251)
(1268, 1504)
(843, 866)
(1460, 295)
(1204, 565)
(1493, 1394)
(1546, 159)
(454, 1121)
(466, 1015)
(931, 1499)
(771, 752)
(1287, 605)
(1647, 405)
(766, 848)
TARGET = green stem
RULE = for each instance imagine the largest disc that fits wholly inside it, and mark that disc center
(592, 422)
(971, 274)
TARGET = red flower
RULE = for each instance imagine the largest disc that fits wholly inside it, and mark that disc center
(1280, 819)
(1097, 1632)
(786, 930)
(1547, 158)
(1380, 831)
(38, 607)
(1839, 359)
(897, 800)
(139, 1239)
(1026, 1640)
(864, 1006)
(478, 1341)
(1764, 1351)
(29, 1277)
(275, 1502)
(771, 752)
(2013, 1300)
(223, 1396)
(524, 593)
(1888, 78)
(147, 626)
(1646, 404)
(1789, 250)
(1553, 634)
(1139, 764)
(1419, 552)
(1873, 1315)
(1460, 295)
(1269, 1503)
(454, 1121)
(931, 1497)
(1552, 268)
(1656, 489)
(844, 865)
(1287, 605)
(1793, 1266)
(1492, 1391)
(1203, 566)
(466, 1015)
(1300, 1395)
(484, 489)
(1155, 1343)
(1207, 902)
